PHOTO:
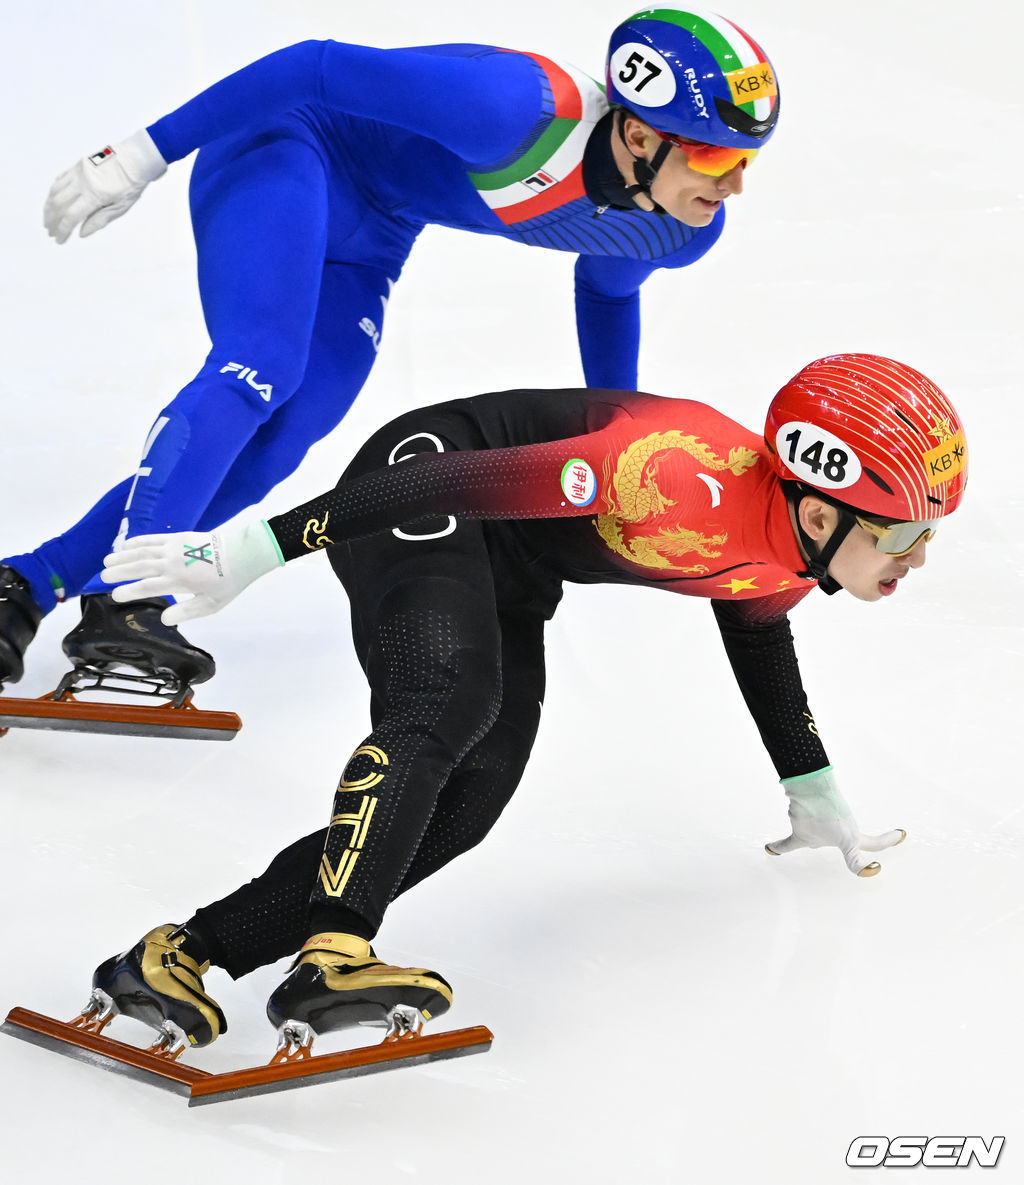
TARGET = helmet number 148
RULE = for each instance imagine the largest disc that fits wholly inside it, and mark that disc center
(816, 455)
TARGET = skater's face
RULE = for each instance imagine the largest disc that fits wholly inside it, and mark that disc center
(690, 197)
(858, 565)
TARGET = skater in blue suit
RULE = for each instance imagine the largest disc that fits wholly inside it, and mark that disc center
(318, 167)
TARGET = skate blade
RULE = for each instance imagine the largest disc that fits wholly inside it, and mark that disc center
(203, 1087)
(329, 1067)
(73, 715)
(104, 1052)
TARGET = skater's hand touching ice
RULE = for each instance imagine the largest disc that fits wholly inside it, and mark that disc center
(102, 187)
(209, 569)
(821, 818)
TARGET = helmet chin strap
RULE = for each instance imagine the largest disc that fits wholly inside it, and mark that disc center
(819, 558)
(645, 171)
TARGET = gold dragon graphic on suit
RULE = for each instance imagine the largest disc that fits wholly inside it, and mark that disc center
(632, 492)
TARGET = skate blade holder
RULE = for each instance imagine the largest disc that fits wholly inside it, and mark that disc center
(161, 1070)
(99, 1011)
(173, 716)
(295, 1037)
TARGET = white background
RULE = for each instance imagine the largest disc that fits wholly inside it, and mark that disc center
(669, 1003)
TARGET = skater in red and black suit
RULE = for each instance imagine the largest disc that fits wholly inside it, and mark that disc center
(453, 531)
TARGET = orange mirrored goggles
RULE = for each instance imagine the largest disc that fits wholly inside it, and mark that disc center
(711, 159)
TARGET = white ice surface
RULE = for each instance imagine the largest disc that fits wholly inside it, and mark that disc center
(669, 1003)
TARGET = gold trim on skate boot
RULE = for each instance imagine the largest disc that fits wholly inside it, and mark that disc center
(359, 968)
(173, 974)
(347, 945)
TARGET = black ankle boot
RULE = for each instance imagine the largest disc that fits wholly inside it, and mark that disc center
(19, 620)
(337, 981)
(156, 982)
(132, 634)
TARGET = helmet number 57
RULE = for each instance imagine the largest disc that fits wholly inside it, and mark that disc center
(631, 67)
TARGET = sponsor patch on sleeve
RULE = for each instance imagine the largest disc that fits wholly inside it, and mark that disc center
(578, 482)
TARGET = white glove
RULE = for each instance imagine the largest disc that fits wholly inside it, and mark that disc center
(102, 187)
(821, 818)
(210, 569)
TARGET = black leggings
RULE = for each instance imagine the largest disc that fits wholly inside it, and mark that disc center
(455, 665)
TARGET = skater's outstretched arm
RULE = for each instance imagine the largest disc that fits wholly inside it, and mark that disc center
(760, 647)
(476, 101)
(608, 307)
(550, 480)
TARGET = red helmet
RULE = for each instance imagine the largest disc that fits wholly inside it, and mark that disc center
(872, 434)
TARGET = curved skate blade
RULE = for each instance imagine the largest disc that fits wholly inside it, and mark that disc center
(106, 1053)
(72, 715)
(328, 1067)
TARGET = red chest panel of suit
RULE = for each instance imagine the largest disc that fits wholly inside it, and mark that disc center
(696, 504)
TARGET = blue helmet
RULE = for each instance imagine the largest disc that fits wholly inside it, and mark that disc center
(695, 75)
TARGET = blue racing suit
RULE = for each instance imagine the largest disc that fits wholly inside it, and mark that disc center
(318, 167)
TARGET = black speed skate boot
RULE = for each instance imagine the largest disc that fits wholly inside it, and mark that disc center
(19, 620)
(157, 982)
(112, 635)
(337, 982)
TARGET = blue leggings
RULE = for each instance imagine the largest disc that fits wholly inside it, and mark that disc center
(294, 331)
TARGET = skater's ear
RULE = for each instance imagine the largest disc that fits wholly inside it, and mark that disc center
(817, 517)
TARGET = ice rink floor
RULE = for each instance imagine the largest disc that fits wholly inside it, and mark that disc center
(669, 1004)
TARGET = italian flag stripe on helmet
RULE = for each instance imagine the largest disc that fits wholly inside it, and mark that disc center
(731, 48)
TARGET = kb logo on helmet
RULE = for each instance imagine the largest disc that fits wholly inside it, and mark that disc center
(752, 82)
(946, 460)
